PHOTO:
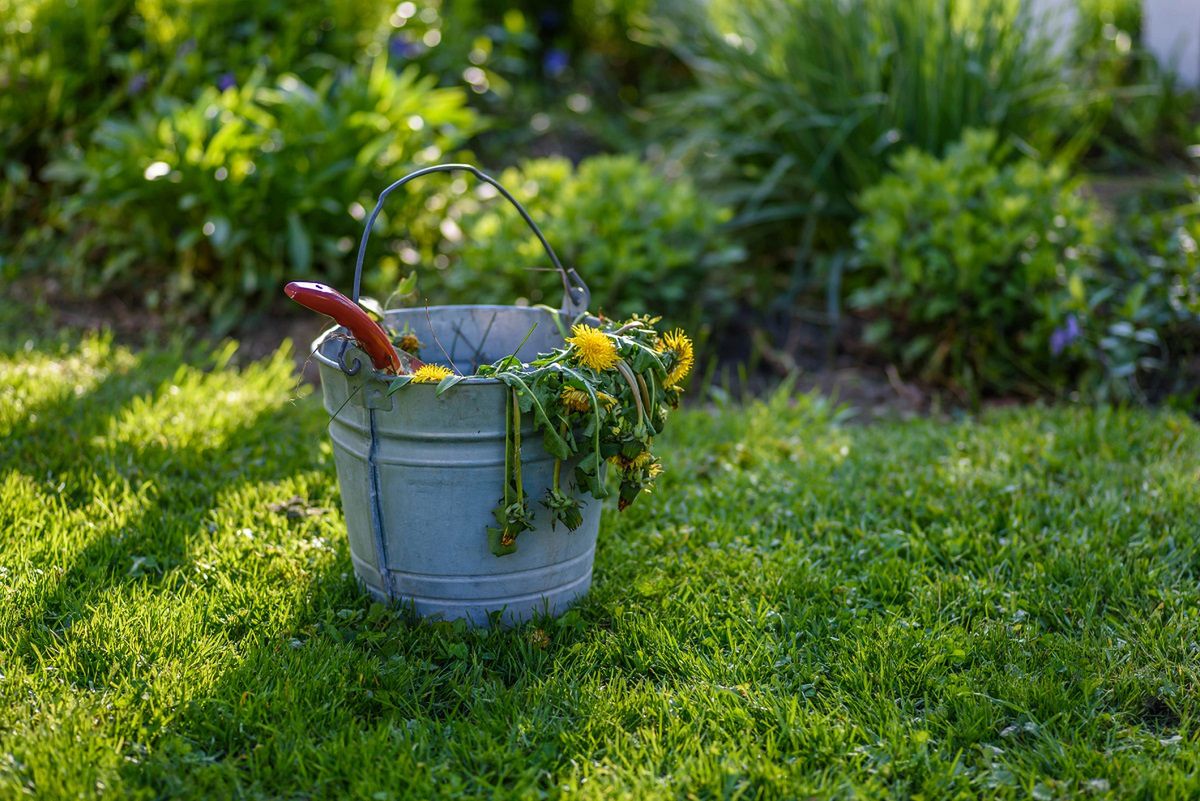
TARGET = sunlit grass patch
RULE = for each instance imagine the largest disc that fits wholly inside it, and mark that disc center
(996, 607)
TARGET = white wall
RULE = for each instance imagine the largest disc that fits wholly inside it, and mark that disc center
(1059, 15)
(1171, 30)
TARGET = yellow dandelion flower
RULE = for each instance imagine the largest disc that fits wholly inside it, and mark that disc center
(607, 400)
(678, 343)
(576, 399)
(593, 347)
(409, 343)
(430, 374)
(655, 470)
(628, 465)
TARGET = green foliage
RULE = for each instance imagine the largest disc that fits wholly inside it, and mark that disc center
(603, 396)
(801, 103)
(57, 74)
(640, 241)
(193, 43)
(209, 205)
(1139, 314)
(1094, 15)
(990, 608)
(565, 76)
(102, 91)
(68, 65)
(966, 261)
(58, 69)
(1141, 112)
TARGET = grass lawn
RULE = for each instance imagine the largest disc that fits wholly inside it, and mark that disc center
(1001, 608)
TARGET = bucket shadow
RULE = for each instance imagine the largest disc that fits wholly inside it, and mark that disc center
(360, 695)
(334, 676)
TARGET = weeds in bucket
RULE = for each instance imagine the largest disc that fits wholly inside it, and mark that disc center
(600, 398)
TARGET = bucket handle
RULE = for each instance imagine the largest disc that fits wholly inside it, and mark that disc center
(575, 292)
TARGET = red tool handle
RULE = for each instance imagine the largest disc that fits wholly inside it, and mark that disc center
(370, 335)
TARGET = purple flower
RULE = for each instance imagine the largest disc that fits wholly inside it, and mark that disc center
(555, 63)
(1073, 327)
(1060, 338)
(401, 48)
(226, 81)
(137, 83)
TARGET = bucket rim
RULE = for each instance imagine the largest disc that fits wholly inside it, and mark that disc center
(470, 380)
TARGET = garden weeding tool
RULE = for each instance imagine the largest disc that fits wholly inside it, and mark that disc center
(370, 335)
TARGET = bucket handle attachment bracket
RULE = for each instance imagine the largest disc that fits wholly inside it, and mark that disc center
(575, 292)
(353, 360)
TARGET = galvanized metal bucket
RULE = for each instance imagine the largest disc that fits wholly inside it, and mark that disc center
(421, 473)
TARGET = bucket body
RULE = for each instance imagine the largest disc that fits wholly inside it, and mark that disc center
(420, 474)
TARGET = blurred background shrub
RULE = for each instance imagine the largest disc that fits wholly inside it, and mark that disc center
(1137, 329)
(66, 65)
(105, 94)
(964, 262)
(558, 77)
(642, 242)
(1140, 113)
(209, 205)
(750, 167)
(800, 104)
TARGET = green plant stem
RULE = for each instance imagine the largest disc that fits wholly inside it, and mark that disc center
(631, 379)
(596, 415)
(508, 450)
(516, 428)
(647, 401)
(562, 432)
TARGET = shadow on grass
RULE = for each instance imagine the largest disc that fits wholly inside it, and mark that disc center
(133, 510)
(347, 696)
(66, 447)
(333, 673)
(350, 698)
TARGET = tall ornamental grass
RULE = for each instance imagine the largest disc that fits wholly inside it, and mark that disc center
(800, 103)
